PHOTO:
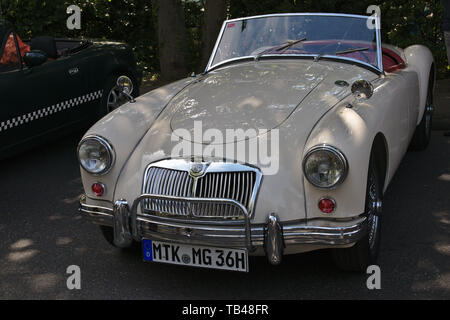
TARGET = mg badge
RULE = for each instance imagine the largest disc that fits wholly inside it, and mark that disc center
(197, 169)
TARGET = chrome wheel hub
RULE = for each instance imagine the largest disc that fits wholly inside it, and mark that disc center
(116, 98)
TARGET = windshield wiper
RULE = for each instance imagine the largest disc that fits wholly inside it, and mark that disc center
(351, 50)
(279, 47)
(319, 56)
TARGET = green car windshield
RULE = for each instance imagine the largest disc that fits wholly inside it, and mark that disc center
(347, 37)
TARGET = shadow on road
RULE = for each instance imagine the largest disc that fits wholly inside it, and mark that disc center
(41, 235)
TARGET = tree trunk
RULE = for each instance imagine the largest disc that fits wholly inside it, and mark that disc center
(215, 14)
(171, 39)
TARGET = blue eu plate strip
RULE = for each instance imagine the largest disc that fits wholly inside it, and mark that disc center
(147, 250)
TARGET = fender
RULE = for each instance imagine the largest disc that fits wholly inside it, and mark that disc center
(421, 60)
(338, 128)
(124, 128)
(352, 129)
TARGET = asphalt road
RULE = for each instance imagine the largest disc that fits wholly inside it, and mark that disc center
(41, 235)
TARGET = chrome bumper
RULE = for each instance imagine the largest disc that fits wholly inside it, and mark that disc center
(273, 236)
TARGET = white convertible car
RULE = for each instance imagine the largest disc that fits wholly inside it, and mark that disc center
(285, 144)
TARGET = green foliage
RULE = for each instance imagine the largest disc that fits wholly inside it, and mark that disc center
(194, 20)
(404, 22)
(415, 22)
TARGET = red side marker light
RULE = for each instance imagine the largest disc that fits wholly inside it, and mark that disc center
(327, 205)
(98, 189)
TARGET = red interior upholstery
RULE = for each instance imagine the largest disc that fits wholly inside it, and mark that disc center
(391, 60)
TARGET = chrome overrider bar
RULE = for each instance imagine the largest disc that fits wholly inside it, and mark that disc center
(189, 201)
(273, 236)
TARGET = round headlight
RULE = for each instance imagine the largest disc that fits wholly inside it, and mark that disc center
(325, 166)
(95, 154)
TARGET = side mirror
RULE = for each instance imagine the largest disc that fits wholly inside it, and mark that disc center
(34, 58)
(125, 86)
(362, 89)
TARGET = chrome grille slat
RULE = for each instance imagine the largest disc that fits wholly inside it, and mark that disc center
(221, 191)
(233, 185)
(247, 181)
(156, 178)
(181, 190)
(166, 191)
(160, 189)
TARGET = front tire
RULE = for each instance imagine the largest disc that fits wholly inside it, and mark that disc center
(108, 234)
(365, 252)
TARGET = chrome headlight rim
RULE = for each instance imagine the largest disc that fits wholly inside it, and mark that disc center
(340, 155)
(109, 148)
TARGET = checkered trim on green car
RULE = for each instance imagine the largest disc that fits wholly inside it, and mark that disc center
(44, 112)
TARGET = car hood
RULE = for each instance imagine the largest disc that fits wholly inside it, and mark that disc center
(254, 95)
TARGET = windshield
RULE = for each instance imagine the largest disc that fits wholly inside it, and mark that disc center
(318, 35)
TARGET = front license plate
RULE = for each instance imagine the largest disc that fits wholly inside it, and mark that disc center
(195, 256)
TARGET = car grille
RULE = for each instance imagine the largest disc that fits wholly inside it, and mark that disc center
(235, 185)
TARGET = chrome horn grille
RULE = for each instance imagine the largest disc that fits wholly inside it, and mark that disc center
(216, 180)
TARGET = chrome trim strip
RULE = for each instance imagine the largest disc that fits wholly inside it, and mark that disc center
(378, 68)
(97, 214)
(301, 14)
(213, 54)
(232, 235)
(324, 235)
(287, 56)
(96, 209)
(379, 44)
(294, 233)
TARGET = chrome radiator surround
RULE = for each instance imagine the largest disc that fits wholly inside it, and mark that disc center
(208, 180)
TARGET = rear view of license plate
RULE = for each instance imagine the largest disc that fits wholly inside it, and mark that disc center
(195, 256)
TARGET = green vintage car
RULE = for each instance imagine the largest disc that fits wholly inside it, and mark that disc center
(49, 86)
